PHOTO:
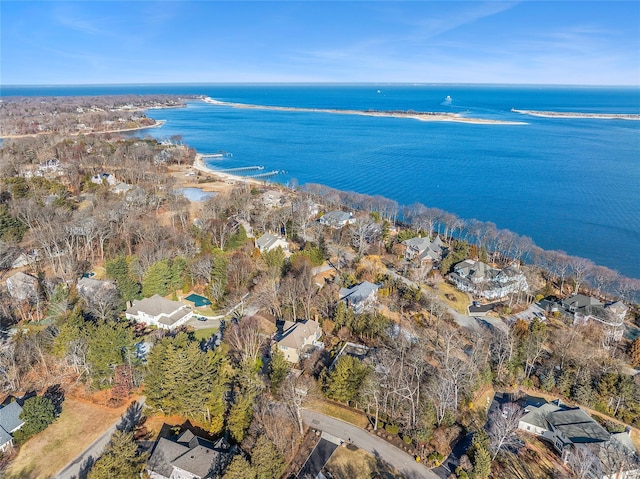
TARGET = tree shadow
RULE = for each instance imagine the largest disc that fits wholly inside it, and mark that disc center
(56, 394)
(130, 418)
(85, 468)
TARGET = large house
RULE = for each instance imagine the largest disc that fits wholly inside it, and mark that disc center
(189, 457)
(268, 242)
(423, 249)
(571, 428)
(483, 280)
(361, 296)
(337, 219)
(10, 422)
(582, 308)
(296, 338)
(160, 312)
(102, 178)
(89, 287)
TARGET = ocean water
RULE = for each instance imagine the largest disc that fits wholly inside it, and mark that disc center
(569, 184)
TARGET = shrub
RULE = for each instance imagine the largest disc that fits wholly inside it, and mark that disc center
(391, 429)
(407, 440)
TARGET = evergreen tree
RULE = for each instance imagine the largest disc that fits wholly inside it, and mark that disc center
(120, 459)
(482, 463)
(37, 413)
(118, 269)
(108, 343)
(278, 369)
(346, 378)
(239, 469)
(240, 416)
(265, 460)
(157, 279)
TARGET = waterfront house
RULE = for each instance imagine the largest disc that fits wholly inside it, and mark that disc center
(295, 339)
(337, 219)
(480, 279)
(268, 242)
(189, 457)
(582, 308)
(160, 312)
(10, 422)
(423, 249)
(360, 297)
(569, 428)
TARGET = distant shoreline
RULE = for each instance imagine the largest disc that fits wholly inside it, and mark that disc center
(422, 116)
(157, 124)
(568, 114)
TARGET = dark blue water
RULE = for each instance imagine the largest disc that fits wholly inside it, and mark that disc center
(569, 184)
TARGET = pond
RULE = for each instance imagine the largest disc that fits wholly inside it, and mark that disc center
(197, 194)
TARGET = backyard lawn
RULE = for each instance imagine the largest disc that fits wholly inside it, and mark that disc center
(79, 424)
(338, 411)
(204, 334)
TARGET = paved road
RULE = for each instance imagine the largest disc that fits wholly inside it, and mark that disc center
(79, 467)
(400, 460)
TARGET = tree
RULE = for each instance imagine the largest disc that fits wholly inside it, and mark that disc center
(278, 369)
(157, 279)
(346, 378)
(482, 463)
(120, 459)
(37, 413)
(240, 416)
(635, 353)
(265, 460)
(107, 347)
(239, 469)
(503, 423)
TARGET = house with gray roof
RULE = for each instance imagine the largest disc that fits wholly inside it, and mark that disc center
(10, 422)
(268, 242)
(89, 287)
(297, 338)
(584, 308)
(361, 296)
(423, 249)
(568, 428)
(483, 280)
(159, 311)
(104, 178)
(189, 457)
(337, 219)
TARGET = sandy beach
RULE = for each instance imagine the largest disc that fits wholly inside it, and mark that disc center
(422, 116)
(562, 114)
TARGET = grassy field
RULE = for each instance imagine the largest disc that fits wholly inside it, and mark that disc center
(462, 300)
(358, 464)
(339, 412)
(78, 426)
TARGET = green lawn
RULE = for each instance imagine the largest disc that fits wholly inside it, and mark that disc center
(206, 333)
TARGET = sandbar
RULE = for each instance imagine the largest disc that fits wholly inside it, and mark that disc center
(575, 114)
(416, 115)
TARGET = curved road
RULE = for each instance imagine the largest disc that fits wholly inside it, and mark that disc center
(400, 460)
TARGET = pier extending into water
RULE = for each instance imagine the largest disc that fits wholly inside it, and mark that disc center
(241, 168)
(219, 155)
(267, 174)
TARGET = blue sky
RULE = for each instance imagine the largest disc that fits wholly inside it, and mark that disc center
(555, 42)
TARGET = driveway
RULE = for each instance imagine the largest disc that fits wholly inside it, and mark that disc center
(319, 456)
(80, 466)
(398, 459)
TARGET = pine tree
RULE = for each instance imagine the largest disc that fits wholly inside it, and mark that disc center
(120, 459)
(239, 469)
(346, 378)
(107, 344)
(265, 460)
(278, 369)
(37, 413)
(157, 279)
(482, 463)
(240, 416)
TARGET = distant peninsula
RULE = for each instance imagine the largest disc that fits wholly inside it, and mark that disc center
(575, 114)
(417, 115)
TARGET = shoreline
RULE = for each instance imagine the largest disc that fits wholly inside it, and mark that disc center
(421, 116)
(198, 164)
(157, 124)
(561, 114)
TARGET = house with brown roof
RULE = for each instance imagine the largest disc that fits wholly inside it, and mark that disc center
(160, 312)
(297, 338)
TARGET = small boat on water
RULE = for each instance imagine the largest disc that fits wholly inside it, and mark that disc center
(448, 99)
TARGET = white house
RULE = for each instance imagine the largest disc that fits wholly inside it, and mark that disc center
(268, 241)
(481, 279)
(10, 422)
(102, 178)
(337, 219)
(360, 296)
(298, 337)
(160, 312)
